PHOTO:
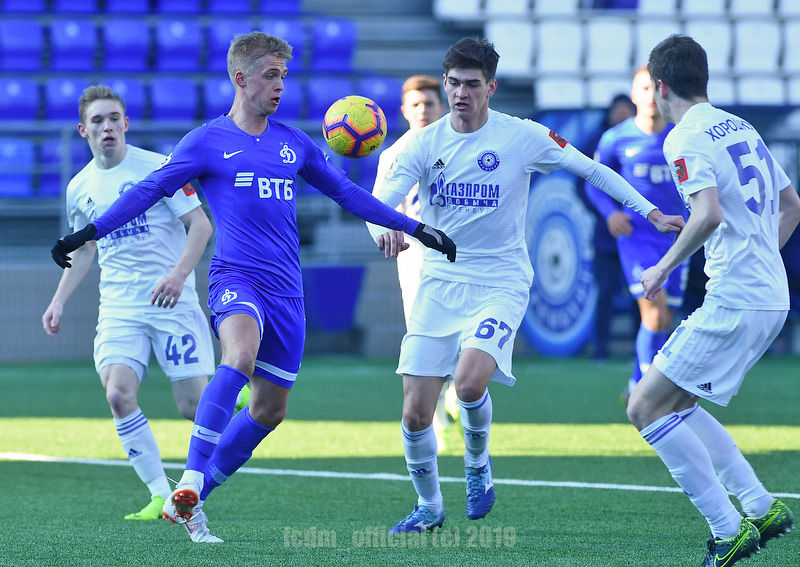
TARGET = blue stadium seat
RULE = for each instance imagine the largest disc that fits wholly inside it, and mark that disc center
(220, 34)
(51, 156)
(387, 92)
(19, 99)
(178, 6)
(127, 6)
(280, 7)
(21, 45)
(73, 44)
(321, 92)
(178, 45)
(61, 98)
(217, 96)
(133, 93)
(17, 161)
(173, 99)
(294, 32)
(162, 145)
(34, 6)
(333, 42)
(83, 6)
(229, 6)
(127, 45)
(292, 101)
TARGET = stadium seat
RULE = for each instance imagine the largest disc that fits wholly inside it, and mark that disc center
(220, 34)
(788, 8)
(610, 46)
(604, 88)
(61, 98)
(721, 90)
(715, 37)
(228, 6)
(387, 92)
(791, 47)
(21, 45)
(738, 8)
(292, 102)
(54, 157)
(333, 42)
(657, 7)
(504, 8)
(793, 90)
(217, 97)
(552, 7)
(19, 99)
(83, 6)
(458, 10)
(178, 6)
(294, 32)
(173, 99)
(757, 45)
(127, 6)
(559, 46)
(280, 7)
(126, 44)
(760, 89)
(690, 8)
(514, 41)
(649, 32)
(73, 44)
(133, 93)
(559, 91)
(178, 45)
(33, 6)
(323, 91)
(17, 161)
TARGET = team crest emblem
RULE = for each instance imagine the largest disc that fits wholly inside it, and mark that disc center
(488, 161)
(228, 296)
(288, 154)
(680, 170)
(558, 139)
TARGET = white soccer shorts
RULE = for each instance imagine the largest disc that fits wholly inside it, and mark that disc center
(451, 316)
(710, 352)
(180, 340)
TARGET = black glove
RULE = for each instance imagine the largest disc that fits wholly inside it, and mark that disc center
(436, 239)
(70, 243)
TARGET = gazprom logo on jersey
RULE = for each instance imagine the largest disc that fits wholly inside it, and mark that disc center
(460, 194)
(268, 187)
(138, 225)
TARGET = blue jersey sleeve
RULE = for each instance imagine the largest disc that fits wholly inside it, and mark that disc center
(180, 167)
(320, 172)
(605, 154)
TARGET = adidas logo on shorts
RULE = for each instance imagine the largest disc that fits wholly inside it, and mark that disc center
(705, 387)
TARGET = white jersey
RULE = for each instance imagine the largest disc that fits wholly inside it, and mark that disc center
(410, 205)
(475, 187)
(713, 148)
(136, 256)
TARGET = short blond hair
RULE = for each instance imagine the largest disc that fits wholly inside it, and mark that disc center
(247, 48)
(421, 83)
(97, 92)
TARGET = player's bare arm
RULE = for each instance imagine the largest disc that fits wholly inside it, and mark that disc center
(705, 217)
(789, 214)
(70, 279)
(168, 291)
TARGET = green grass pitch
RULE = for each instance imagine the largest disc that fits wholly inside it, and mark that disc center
(306, 497)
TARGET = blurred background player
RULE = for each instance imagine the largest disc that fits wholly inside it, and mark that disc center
(147, 295)
(255, 280)
(422, 104)
(743, 210)
(473, 173)
(606, 268)
(633, 149)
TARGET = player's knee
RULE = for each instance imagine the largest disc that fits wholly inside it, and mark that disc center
(468, 392)
(268, 416)
(415, 420)
(242, 360)
(187, 408)
(122, 403)
(637, 411)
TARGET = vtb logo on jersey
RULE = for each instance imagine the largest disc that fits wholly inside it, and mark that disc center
(680, 170)
(268, 187)
(558, 139)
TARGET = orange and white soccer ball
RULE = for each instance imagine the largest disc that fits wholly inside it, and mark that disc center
(354, 126)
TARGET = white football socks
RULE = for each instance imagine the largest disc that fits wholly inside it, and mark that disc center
(420, 451)
(690, 465)
(140, 445)
(476, 418)
(733, 470)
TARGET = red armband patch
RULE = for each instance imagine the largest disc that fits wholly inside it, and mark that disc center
(680, 170)
(558, 139)
(188, 189)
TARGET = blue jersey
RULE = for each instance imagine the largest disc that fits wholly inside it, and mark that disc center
(639, 159)
(249, 183)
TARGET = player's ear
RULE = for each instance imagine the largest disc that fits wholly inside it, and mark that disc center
(82, 130)
(238, 78)
(492, 86)
(127, 123)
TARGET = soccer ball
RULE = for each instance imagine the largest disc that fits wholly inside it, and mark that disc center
(354, 126)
